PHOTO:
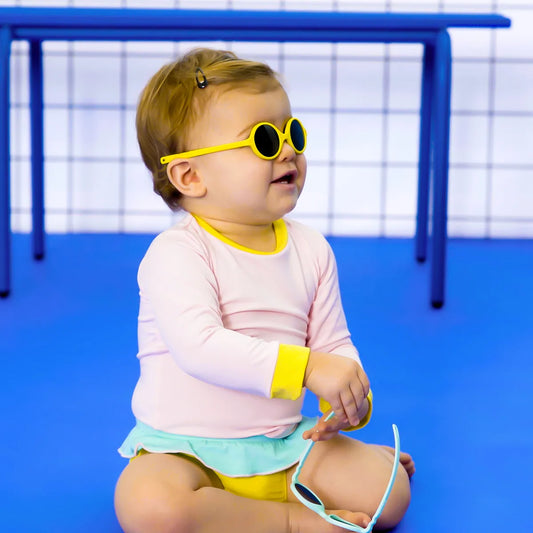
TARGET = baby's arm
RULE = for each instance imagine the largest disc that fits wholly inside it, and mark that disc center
(180, 295)
(334, 370)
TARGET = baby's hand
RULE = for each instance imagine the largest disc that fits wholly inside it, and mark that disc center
(325, 429)
(341, 382)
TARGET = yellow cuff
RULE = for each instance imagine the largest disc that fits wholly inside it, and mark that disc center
(288, 379)
(325, 407)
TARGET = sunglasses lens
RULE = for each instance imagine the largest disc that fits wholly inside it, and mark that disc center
(297, 136)
(307, 494)
(266, 140)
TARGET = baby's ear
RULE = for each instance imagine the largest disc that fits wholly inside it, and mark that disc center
(185, 178)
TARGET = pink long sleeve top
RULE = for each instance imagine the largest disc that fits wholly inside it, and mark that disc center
(225, 332)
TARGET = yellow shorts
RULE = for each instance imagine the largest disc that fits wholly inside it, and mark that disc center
(271, 487)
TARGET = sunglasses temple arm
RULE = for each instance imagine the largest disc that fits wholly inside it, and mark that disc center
(204, 151)
(307, 450)
(391, 480)
(302, 460)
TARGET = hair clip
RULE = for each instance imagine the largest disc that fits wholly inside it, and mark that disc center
(201, 80)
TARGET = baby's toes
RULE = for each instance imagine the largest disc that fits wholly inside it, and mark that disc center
(359, 519)
(407, 462)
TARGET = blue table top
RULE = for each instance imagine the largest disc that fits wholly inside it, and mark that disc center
(58, 17)
(59, 23)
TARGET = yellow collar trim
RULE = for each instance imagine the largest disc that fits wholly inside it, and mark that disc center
(280, 230)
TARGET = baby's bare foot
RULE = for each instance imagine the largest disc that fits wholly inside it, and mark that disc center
(303, 520)
(405, 459)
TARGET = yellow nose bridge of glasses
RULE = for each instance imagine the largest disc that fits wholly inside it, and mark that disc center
(282, 135)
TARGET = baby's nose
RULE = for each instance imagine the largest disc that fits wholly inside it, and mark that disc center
(287, 151)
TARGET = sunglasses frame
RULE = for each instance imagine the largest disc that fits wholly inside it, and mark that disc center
(320, 509)
(250, 141)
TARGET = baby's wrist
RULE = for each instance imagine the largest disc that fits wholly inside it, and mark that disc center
(311, 364)
(308, 368)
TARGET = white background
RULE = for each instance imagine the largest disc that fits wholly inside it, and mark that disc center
(360, 104)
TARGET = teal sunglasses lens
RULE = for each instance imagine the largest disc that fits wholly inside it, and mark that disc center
(307, 494)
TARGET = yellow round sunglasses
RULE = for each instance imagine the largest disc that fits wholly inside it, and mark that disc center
(265, 140)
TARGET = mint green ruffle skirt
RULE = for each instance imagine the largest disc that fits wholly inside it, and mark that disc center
(251, 456)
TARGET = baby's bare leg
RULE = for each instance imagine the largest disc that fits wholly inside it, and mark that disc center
(164, 493)
(348, 474)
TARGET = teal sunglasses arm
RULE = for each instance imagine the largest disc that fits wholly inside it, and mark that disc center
(337, 520)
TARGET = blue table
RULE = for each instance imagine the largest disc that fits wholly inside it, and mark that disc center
(39, 24)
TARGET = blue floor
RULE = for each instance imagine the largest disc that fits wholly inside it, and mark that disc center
(457, 382)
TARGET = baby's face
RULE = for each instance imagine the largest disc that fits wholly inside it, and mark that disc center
(242, 187)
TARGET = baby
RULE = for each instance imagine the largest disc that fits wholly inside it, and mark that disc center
(240, 313)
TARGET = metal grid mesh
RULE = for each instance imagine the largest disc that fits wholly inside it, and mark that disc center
(360, 103)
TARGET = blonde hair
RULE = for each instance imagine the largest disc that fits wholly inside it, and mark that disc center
(172, 102)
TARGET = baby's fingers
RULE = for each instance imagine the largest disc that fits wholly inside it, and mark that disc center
(363, 378)
(350, 406)
(320, 434)
(326, 428)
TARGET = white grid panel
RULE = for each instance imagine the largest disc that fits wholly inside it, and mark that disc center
(360, 104)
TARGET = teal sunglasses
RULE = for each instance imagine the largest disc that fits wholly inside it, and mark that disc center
(313, 502)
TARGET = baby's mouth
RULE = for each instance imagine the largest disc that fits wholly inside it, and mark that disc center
(287, 179)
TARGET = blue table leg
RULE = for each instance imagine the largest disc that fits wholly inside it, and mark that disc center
(37, 147)
(441, 139)
(424, 153)
(5, 210)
